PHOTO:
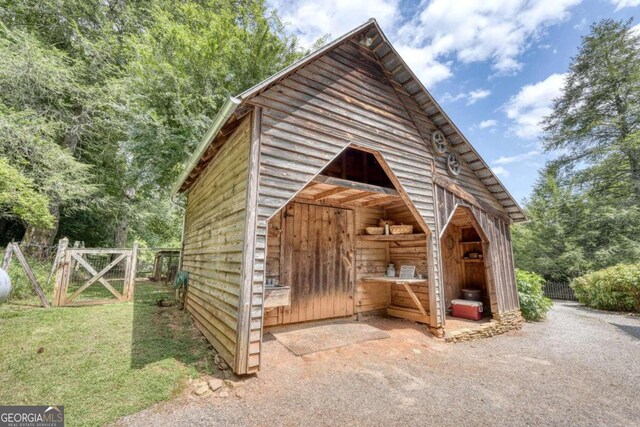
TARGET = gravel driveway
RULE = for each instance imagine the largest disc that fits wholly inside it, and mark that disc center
(580, 367)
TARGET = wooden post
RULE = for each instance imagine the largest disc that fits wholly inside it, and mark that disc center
(243, 329)
(74, 265)
(30, 275)
(60, 287)
(54, 266)
(131, 277)
(8, 253)
(157, 267)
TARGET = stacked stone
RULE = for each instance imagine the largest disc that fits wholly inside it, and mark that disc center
(501, 323)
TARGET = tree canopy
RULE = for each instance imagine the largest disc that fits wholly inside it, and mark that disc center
(585, 207)
(101, 103)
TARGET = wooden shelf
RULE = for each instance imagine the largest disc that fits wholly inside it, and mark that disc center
(407, 313)
(472, 259)
(392, 237)
(391, 279)
(470, 243)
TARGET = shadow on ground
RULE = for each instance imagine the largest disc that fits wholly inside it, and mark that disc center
(633, 331)
(160, 332)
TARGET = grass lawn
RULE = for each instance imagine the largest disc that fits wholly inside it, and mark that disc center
(100, 362)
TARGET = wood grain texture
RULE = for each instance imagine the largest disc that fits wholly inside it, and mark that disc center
(310, 117)
(497, 251)
(214, 233)
(343, 98)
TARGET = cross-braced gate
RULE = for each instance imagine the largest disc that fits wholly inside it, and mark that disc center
(94, 276)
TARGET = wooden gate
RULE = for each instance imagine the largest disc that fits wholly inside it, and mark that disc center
(94, 276)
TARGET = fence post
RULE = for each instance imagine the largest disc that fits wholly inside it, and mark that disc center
(6, 260)
(54, 266)
(30, 275)
(59, 289)
(131, 279)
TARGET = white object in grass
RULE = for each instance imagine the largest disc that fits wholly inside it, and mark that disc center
(5, 285)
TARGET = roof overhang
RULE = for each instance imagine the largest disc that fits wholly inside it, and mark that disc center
(227, 109)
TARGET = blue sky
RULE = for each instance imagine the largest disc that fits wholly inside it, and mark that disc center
(494, 65)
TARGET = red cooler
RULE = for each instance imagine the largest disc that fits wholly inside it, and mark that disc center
(466, 309)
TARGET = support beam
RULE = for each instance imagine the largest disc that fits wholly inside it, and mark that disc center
(454, 188)
(355, 197)
(339, 182)
(380, 201)
(330, 193)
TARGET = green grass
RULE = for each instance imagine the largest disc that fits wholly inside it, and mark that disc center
(100, 362)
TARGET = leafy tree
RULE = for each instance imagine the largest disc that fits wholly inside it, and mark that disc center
(596, 120)
(19, 198)
(102, 102)
(186, 65)
(585, 208)
(37, 87)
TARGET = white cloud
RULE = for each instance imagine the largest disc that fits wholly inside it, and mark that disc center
(621, 4)
(490, 30)
(636, 29)
(505, 160)
(438, 31)
(424, 64)
(475, 95)
(472, 97)
(485, 124)
(531, 104)
(501, 171)
(312, 19)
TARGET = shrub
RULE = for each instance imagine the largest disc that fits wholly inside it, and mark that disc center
(615, 288)
(21, 286)
(533, 304)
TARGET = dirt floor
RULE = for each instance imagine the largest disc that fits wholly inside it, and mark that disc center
(580, 367)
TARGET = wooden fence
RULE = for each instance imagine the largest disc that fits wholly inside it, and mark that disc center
(559, 290)
(77, 269)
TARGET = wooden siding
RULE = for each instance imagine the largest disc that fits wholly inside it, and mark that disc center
(214, 232)
(344, 97)
(498, 253)
(341, 98)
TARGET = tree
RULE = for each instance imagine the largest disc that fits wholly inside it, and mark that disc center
(571, 232)
(37, 87)
(596, 120)
(19, 198)
(544, 245)
(102, 102)
(183, 68)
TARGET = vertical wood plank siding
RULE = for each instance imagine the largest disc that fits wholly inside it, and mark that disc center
(213, 242)
(500, 256)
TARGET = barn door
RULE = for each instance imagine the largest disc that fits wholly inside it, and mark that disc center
(318, 262)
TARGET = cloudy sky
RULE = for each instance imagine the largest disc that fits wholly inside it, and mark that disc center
(494, 65)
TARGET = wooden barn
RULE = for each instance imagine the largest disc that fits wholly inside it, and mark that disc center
(296, 171)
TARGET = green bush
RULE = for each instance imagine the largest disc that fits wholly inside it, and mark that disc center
(533, 304)
(615, 288)
(20, 284)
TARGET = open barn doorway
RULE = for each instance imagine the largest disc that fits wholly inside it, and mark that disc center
(465, 251)
(323, 260)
